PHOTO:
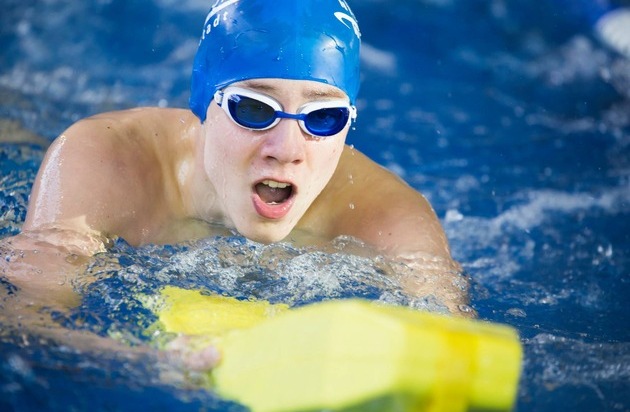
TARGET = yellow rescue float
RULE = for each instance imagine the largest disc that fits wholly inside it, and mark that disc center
(349, 355)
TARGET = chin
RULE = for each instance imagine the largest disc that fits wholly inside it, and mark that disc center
(265, 235)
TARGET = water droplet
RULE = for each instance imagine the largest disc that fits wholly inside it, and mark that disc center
(516, 312)
(465, 308)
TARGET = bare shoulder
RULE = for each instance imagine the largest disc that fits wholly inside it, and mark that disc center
(141, 126)
(99, 173)
(113, 131)
(369, 202)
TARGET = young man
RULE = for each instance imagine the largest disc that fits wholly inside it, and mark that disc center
(262, 152)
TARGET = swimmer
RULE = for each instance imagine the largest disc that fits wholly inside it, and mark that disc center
(261, 151)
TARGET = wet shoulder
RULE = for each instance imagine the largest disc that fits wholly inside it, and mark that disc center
(142, 126)
(369, 202)
(132, 136)
(356, 172)
(356, 186)
(116, 169)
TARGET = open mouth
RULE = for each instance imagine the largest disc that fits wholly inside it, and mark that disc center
(274, 193)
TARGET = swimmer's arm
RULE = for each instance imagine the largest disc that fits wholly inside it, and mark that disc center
(69, 214)
(372, 204)
(38, 279)
(95, 180)
(369, 202)
(64, 195)
(36, 283)
(409, 232)
(43, 273)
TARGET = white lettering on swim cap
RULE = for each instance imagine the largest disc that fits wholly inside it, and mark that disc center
(218, 6)
(208, 25)
(344, 5)
(343, 17)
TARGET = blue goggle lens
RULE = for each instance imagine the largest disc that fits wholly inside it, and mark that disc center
(257, 115)
(327, 122)
(251, 113)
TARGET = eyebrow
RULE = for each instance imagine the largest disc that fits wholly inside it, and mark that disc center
(310, 94)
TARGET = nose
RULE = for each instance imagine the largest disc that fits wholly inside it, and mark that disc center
(284, 143)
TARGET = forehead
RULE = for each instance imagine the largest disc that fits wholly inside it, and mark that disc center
(307, 89)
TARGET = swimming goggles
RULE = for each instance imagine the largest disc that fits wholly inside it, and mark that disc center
(256, 111)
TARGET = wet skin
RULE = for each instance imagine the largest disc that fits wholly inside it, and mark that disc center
(154, 175)
(158, 176)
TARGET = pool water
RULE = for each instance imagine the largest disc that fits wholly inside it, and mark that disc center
(510, 116)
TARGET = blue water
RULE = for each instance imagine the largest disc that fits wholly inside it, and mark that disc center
(510, 116)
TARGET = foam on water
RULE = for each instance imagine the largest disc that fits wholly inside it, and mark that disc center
(537, 208)
(572, 366)
(230, 266)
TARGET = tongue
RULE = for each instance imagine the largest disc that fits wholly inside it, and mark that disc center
(273, 195)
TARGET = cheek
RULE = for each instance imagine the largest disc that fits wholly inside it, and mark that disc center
(326, 162)
(220, 146)
(330, 159)
(227, 161)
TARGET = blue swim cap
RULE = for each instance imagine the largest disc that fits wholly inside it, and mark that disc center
(288, 39)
